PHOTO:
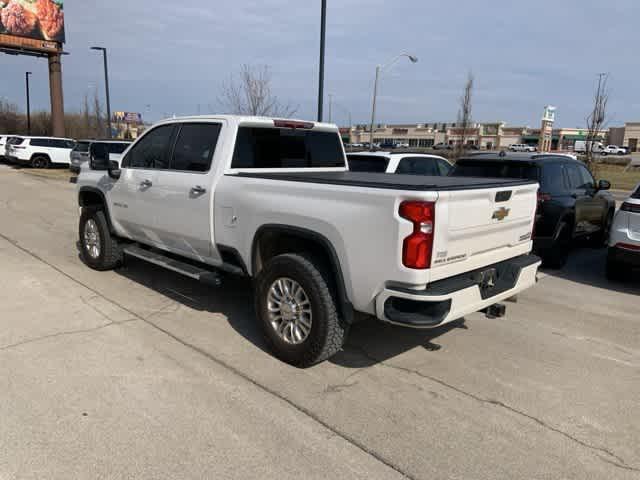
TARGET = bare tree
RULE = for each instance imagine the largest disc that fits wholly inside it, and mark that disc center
(97, 112)
(250, 93)
(597, 119)
(464, 114)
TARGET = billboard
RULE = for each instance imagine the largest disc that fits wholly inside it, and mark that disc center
(127, 117)
(34, 19)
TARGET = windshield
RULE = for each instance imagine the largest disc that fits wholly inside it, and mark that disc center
(636, 194)
(367, 163)
(494, 169)
(287, 148)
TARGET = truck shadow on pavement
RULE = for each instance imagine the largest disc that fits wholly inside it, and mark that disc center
(369, 341)
(587, 266)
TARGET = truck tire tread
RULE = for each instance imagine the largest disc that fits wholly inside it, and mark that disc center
(329, 330)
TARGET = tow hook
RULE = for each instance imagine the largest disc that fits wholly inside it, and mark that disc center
(497, 310)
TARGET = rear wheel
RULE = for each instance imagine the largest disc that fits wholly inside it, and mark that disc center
(40, 161)
(297, 310)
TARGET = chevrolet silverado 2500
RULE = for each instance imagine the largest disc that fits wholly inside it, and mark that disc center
(273, 200)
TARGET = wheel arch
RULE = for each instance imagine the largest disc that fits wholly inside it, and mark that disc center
(275, 239)
(40, 154)
(94, 197)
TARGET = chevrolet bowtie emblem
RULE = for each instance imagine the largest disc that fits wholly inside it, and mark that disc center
(501, 213)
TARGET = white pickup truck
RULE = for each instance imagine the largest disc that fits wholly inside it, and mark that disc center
(273, 200)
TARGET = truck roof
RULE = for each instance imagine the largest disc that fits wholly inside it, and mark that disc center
(389, 181)
(248, 120)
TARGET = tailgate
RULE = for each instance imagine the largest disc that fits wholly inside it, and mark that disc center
(480, 227)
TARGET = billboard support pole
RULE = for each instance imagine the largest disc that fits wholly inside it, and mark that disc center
(26, 77)
(55, 88)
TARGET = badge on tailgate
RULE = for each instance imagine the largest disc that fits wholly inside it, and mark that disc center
(501, 213)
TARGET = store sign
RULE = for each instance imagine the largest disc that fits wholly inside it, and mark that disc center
(549, 114)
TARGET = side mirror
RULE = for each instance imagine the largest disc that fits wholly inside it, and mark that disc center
(114, 169)
(604, 185)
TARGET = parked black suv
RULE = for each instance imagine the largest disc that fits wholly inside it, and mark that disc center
(571, 205)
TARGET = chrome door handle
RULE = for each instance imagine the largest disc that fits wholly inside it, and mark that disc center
(146, 183)
(198, 190)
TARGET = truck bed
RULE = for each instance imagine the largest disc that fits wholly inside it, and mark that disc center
(389, 181)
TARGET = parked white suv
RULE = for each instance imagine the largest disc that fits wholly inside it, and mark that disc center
(273, 200)
(402, 163)
(39, 152)
(522, 147)
(624, 238)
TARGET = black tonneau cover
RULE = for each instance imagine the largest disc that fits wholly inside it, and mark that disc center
(390, 181)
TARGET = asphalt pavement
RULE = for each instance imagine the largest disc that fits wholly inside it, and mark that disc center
(141, 373)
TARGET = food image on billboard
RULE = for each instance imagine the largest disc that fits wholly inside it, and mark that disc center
(37, 19)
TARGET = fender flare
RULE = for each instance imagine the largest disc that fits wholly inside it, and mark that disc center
(344, 304)
(105, 205)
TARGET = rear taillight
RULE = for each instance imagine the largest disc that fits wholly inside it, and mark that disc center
(417, 247)
(630, 207)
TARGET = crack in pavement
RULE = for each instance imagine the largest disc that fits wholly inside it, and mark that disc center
(617, 461)
(299, 408)
(65, 333)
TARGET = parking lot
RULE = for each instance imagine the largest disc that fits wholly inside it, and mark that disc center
(142, 373)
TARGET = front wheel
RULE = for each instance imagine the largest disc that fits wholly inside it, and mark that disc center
(297, 310)
(98, 248)
(40, 162)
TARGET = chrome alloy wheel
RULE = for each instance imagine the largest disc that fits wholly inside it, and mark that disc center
(92, 238)
(289, 310)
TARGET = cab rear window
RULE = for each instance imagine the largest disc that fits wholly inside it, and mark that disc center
(286, 148)
(495, 169)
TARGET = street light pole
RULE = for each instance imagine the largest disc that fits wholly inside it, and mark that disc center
(26, 77)
(379, 69)
(323, 25)
(106, 84)
(330, 106)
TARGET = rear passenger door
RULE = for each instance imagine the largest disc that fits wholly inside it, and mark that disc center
(183, 193)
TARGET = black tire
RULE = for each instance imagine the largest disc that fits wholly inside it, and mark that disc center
(40, 161)
(557, 255)
(328, 330)
(616, 270)
(600, 239)
(110, 252)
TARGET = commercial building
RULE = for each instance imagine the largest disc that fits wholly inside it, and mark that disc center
(490, 136)
(631, 138)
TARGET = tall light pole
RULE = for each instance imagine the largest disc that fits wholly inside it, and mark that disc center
(330, 105)
(106, 85)
(26, 77)
(323, 25)
(379, 70)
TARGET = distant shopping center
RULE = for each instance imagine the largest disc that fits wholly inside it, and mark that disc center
(489, 136)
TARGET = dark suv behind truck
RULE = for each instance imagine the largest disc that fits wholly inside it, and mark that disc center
(571, 204)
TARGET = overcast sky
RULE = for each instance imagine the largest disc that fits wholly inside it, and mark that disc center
(171, 57)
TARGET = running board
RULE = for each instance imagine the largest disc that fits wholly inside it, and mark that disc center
(204, 274)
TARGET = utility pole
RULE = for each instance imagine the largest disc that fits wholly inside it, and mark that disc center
(330, 105)
(106, 85)
(26, 76)
(323, 25)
